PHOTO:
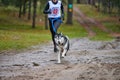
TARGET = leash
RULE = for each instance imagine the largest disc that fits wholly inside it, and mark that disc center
(52, 21)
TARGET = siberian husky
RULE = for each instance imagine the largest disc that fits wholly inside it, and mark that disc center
(62, 43)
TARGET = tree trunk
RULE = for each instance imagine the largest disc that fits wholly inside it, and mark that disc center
(104, 3)
(119, 8)
(69, 12)
(78, 1)
(29, 12)
(24, 7)
(93, 2)
(109, 7)
(89, 1)
(34, 12)
(20, 9)
(46, 22)
(98, 5)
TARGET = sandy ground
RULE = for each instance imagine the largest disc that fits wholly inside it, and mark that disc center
(86, 60)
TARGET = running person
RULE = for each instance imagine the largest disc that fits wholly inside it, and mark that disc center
(55, 11)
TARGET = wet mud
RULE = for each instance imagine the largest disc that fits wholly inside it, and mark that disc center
(86, 60)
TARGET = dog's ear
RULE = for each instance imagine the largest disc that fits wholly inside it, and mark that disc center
(67, 37)
(56, 33)
(61, 33)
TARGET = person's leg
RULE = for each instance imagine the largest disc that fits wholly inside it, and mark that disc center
(53, 34)
(57, 24)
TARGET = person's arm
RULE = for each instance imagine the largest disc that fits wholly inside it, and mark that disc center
(46, 9)
(62, 9)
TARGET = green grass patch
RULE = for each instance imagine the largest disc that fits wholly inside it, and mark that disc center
(92, 12)
(73, 31)
(101, 35)
(114, 27)
(22, 39)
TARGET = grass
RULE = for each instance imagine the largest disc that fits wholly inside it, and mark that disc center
(92, 12)
(114, 27)
(73, 31)
(101, 35)
(20, 39)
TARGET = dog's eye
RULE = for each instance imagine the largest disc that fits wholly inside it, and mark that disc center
(56, 36)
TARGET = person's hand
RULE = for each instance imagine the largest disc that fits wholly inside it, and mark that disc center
(63, 17)
(49, 11)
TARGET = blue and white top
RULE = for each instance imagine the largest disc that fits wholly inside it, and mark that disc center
(55, 9)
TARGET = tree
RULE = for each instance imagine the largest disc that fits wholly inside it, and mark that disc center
(93, 2)
(24, 6)
(5, 2)
(29, 10)
(89, 1)
(119, 8)
(69, 12)
(20, 8)
(42, 5)
(78, 1)
(34, 12)
(99, 5)
(46, 22)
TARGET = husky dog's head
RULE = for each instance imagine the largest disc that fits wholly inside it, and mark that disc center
(59, 39)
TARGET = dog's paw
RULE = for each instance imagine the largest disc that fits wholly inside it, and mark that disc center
(65, 54)
(59, 62)
(62, 56)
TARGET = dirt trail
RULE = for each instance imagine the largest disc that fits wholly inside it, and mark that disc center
(88, 22)
(86, 60)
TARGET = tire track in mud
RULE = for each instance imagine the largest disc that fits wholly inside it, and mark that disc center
(88, 23)
(79, 16)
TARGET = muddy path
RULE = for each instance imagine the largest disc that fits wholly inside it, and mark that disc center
(86, 60)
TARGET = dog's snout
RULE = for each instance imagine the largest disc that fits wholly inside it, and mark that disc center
(58, 42)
